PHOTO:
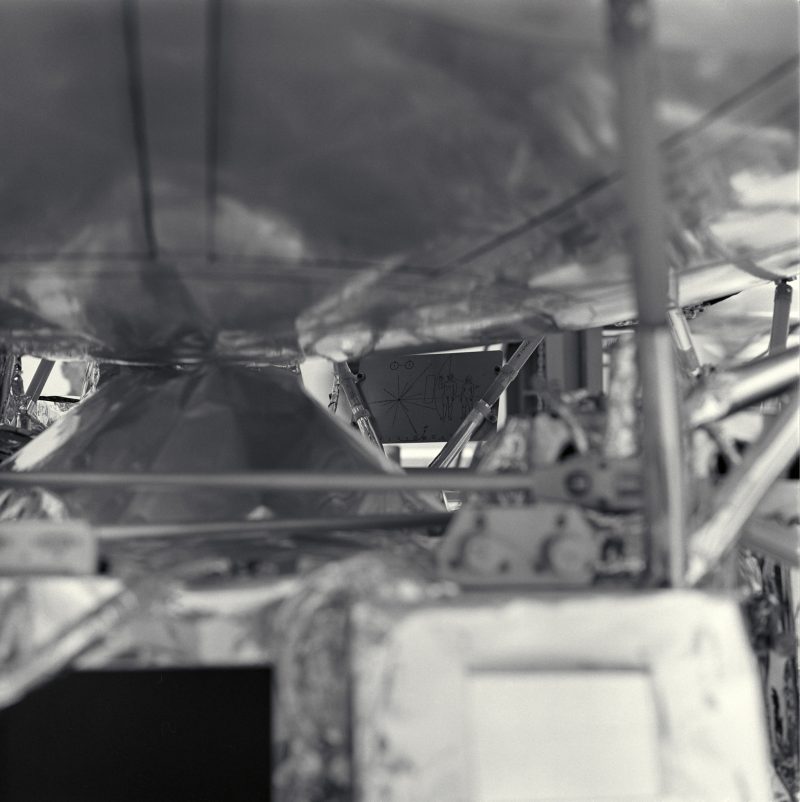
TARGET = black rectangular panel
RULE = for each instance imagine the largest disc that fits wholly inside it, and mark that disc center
(422, 398)
(172, 735)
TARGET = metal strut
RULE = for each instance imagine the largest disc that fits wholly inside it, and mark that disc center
(682, 335)
(361, 417)
(296, 481)
(8, 365)
(40, 377)
(741, 492)
(727, 391)
(483, 407)
(781, 312)
(630, 26)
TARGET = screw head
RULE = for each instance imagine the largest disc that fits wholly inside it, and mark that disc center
(578, 483)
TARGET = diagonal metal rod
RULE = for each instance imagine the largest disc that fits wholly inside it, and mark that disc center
(725, 392)
(361, 416)
(631, 38)
(741, 492)
(483, 407)
(25, 672)
(682, 335)
(690, 363)
(40, 377)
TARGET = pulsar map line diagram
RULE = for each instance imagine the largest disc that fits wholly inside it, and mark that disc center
(423, 397)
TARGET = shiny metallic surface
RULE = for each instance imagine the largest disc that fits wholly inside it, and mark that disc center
(633, 54)
(314, 669)
(663, 457)
(308, 481)
(347, 382)
(781, 317)
(621, 437)
(737, 330)
(204, 420)
(255, 180)
(455, 445)
(607, 487)
(687, 353)
(483, 407)
(415, 666)
(301, 526)
(631, 41)
(12, 389)
(725, 392)
(197, 194)
(37, 383)
(739, 495)
(778, 542)
(32, 666)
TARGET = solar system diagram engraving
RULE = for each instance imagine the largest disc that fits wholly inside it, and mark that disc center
(422, 398)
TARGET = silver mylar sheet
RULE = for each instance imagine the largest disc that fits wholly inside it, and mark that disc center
(417, 729)
(35, 612)
(258, 180)
(738, 329)
(208, 418)
(313, 755)
(194, 600)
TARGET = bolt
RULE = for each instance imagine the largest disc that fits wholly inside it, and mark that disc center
(578, 483)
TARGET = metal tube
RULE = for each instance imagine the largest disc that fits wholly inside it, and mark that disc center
(9, 366)
(280, 526)
(361, 416)
(687, 353)
(483, 407)
(725, 443)
(663, 464)
(630, 24)
(726, 392)
(40, 377)
(781, 312)
(776, 541)
(459, 439)
(690, 362)
(616, 485)
(740, 494)
(274, 480)
(27, 671)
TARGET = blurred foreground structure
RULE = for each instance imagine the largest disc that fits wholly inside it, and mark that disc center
(592, 588)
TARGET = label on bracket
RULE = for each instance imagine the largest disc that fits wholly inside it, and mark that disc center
(422, 398)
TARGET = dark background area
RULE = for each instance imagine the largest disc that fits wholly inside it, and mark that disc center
(175, 735)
